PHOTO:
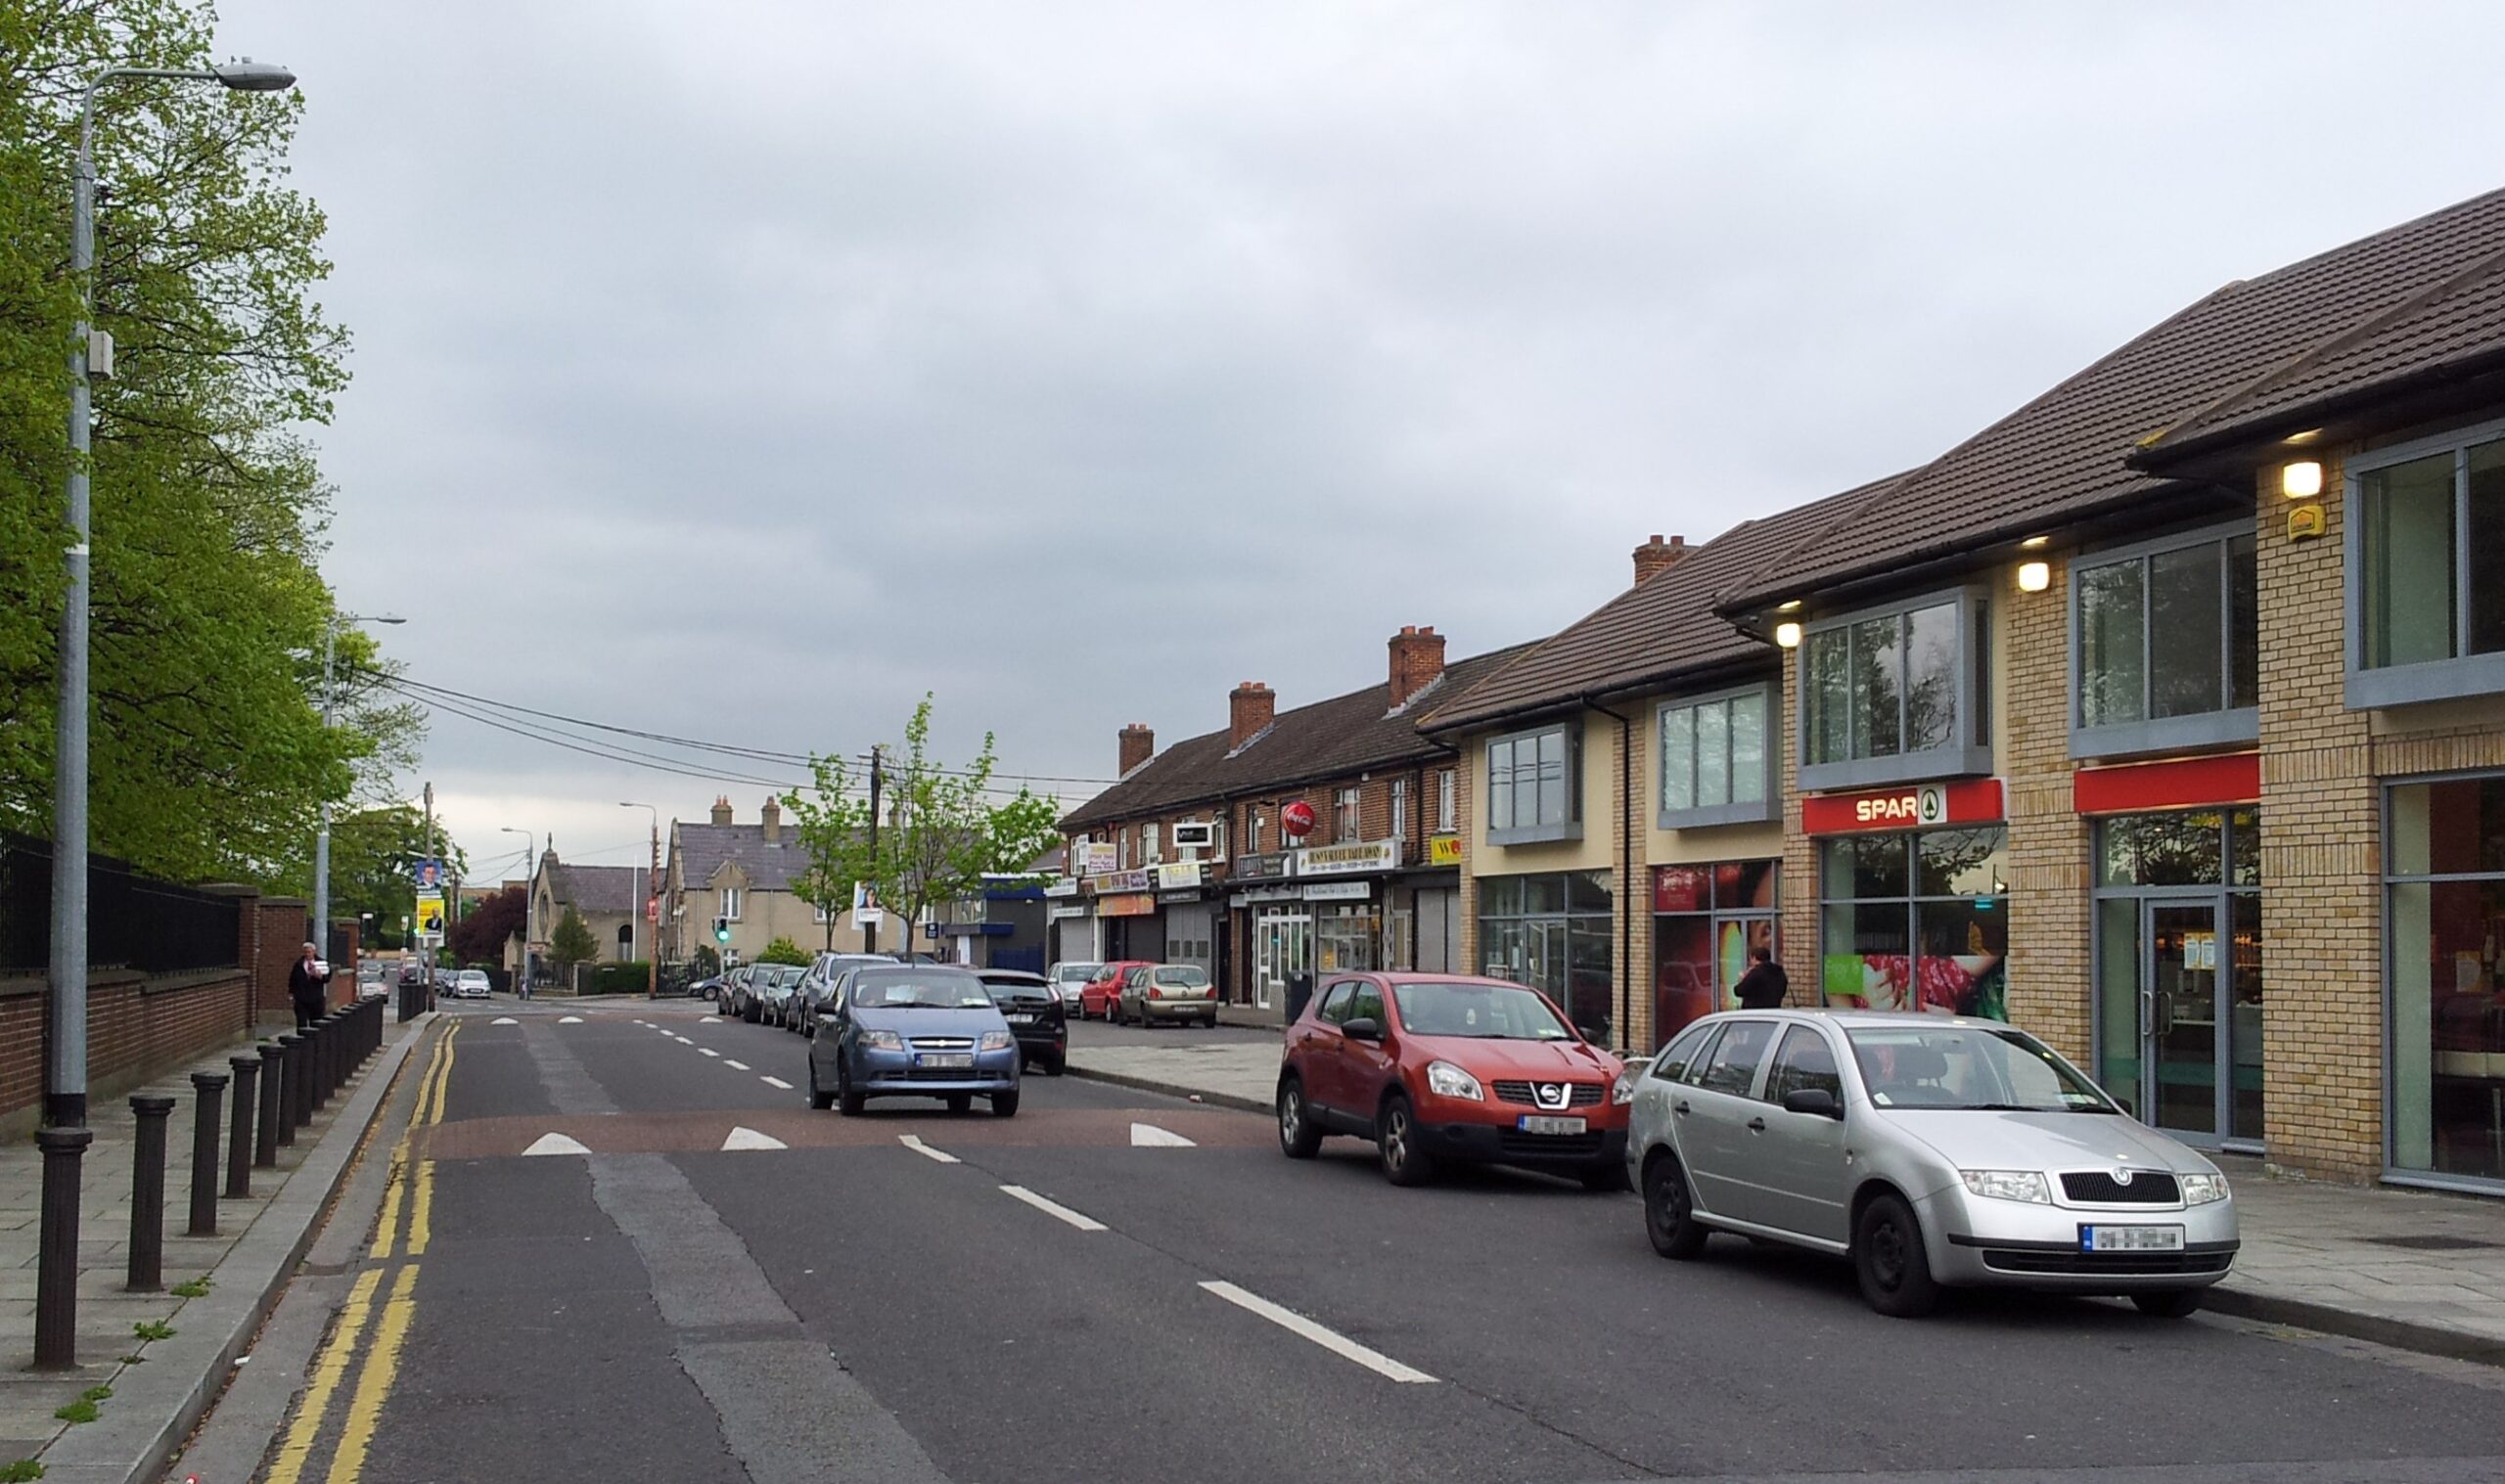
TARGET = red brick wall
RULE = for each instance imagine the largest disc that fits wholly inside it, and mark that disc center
(138, 1029)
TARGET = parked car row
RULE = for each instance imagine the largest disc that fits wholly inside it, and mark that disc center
(806, 1000)
(1138, 992)
(1928, 1151)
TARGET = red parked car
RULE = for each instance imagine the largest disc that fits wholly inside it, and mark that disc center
(1437, 1067)
(1101, 998)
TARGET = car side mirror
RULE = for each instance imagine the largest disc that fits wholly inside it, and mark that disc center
(1362, 1029)
(1812, 1100)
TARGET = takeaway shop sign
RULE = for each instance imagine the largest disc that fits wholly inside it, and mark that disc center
(1923, 806)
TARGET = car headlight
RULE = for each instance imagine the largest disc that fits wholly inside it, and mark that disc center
(2008, 1185)
(1446, 1080)
(996, 1040)
(881, 1041)
(2201, 1189)
(1622, 1091)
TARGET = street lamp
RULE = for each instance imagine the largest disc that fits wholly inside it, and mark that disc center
(322, 835)
(66, 1137)
(652, 964)
(529, 892)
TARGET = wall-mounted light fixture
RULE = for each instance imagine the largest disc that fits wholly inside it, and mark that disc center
(1794, 607)
(2301, 479)
(2036, 543)
(2034, 577)
(1788, 634)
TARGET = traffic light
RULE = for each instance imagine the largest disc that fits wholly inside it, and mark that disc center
(721, 930)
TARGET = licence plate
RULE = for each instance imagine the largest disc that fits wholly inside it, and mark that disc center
(944, 1058)
(2095, 1238)
(1539, 1123)
(1019, 1019)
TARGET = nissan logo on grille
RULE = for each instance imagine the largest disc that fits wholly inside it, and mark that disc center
(1552, 1094)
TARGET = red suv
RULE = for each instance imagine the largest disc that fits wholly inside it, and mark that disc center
(1436, 1068)
(1101, 998)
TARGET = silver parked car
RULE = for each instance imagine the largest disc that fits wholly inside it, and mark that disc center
(1930, 1150)
(1175, 993)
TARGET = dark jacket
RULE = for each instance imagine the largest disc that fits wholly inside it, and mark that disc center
(303, 984)
(1763, 987)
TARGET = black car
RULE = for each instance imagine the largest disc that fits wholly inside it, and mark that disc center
(1035, 1016)
(811, 999)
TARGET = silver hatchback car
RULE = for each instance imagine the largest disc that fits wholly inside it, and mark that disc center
(1928, 1149)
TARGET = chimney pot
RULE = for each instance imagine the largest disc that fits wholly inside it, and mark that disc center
(1137, 745)
(1658, 556)
(721, 809)
(771, 816)
(1417, 659)
(1249, 707)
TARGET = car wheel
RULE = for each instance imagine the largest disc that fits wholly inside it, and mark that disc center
(1054, 1067)
(958, 1103)
(817, 1099)
(1004, 1105)
(1395, 1141)
(1889, 1257)
(1607, 1178)
(1299, 1137)
(1210, 1024)
(1670, 1214)
(848, 1102)
(2173, 1303)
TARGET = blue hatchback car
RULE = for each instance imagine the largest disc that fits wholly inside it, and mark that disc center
(918, 1030)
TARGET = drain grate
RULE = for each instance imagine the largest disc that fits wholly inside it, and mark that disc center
(2436, 1244)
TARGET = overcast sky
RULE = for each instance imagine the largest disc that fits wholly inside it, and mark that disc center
(744, 370)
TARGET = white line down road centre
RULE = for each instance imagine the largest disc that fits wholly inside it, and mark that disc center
(1052, 1208)
(1337, 1343)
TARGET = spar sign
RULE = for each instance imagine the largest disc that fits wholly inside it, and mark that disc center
(1918, 806)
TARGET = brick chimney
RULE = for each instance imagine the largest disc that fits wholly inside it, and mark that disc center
(1249, 707)
(1659, 556)
(772, 817)
(1417, 659)
(1138, 745)
(721, 809)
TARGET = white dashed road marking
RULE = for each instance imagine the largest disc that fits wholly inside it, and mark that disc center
(1337, 1344)
(708, 1051)
(710, 1020)
(737, 1066)
(779, 1081)
(914, 1143)
(1053, 1209)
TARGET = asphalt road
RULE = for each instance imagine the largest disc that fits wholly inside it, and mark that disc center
(850, 1306)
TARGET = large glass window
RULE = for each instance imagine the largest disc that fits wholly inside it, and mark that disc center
(1534, 787)
(2428, 540)
(1916, 922)
(1706, 920)
(1894, 694)
(1552, 932)
(2165, 633)
(2445, 866)
(1714, 762)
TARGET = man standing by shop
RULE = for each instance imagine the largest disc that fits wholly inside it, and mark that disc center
(1764, 986)
(308, 986)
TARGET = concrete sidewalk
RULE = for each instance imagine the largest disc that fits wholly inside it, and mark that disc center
(160, 1388)
(2416, 1271)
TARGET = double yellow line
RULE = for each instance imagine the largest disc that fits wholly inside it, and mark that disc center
(411, 1184)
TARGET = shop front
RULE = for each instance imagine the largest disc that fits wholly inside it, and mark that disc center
(1190, 918)
(1913, 898)
(1708, 919)
(1346, 893)
(2445, 906)
(2177, 944)
(1126, 919)
(1273, 932)
(1070, 924)
(1552, 932)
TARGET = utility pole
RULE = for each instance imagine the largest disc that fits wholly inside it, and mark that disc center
(434, 852)
(870, 932)
(650, 908)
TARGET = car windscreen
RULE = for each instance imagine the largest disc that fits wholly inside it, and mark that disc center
(1485, 1012)
(1077, 973)
(927, 991)
(1183, 977)
(1016, 988)
(1969, 1068)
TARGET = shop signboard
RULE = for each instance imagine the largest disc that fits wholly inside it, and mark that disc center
(1177, 898)
(1064, 914)
(1099, 858)
(1270, 865)
(1136, 904)
(1061, 886)
(1112, 882)
(1443, 850)
(1265, 894)
(1348, 860)
(1916, 806)
(1338, 892)
(1178, 875)
(2182, 784)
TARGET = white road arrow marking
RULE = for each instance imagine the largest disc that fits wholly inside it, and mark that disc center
(1052, 1208)
(570, 1019)
(914, 1143)
(779, 1081)
(1337, 1344)
(1148, 1136)
(751, 1138)
(556, 1144)
(504, 1020)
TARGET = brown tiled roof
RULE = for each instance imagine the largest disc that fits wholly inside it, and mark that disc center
(1654, 632)
(2250, 352)
(1329, 738)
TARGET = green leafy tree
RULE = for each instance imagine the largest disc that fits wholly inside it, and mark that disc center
(208, 756)
(784, 951)
(943, 834)
(371, 851)
(832, 822)
(703, 963)
(571, 943)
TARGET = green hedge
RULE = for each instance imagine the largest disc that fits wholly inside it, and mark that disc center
(621, 978)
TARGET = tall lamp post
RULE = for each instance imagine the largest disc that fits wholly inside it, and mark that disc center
(322, 837)
(651, 882)
(66, 1137)
(529, 886)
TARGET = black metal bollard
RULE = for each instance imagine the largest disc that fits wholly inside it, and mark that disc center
(317, 1067)
(301, 1072)
(239, 1131)
(211, 1087)
(148, 1192)
(333, 1036)
(57, 1259)
(273, 1084)
(290, 1048)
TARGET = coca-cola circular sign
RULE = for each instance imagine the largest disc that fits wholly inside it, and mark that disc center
(1297, 819)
